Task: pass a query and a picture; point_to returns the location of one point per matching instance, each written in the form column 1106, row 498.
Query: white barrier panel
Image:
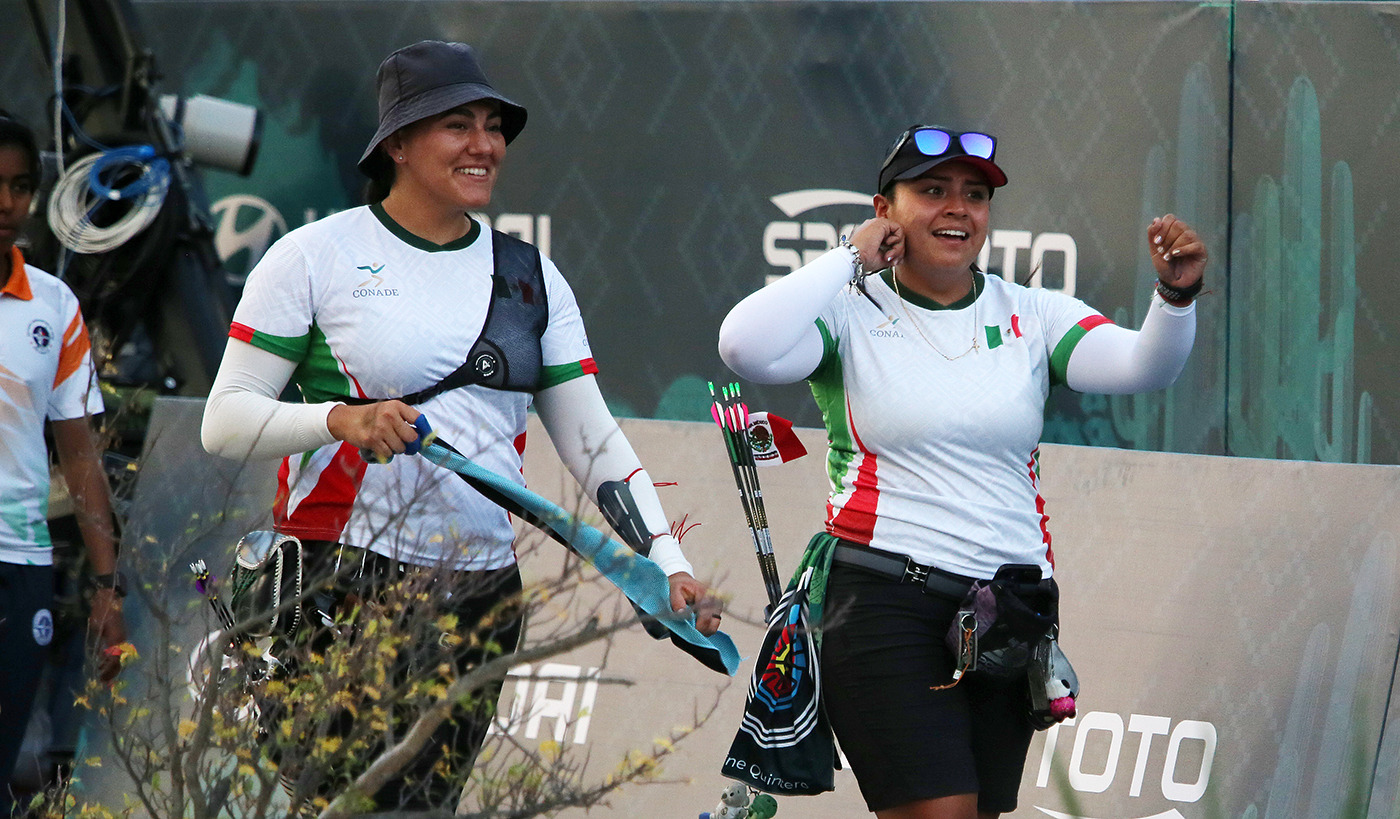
column 1233, row 622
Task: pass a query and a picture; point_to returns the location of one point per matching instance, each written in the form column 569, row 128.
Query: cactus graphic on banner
column 1184, row 417
column 1297, row 397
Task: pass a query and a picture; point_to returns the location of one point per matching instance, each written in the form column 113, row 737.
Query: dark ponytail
column 381, row 176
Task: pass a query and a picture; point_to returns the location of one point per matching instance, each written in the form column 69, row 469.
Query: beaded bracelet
column 859, row 272
column 1175, row 294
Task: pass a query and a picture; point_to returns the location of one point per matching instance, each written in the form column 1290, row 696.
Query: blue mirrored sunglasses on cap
column 935, row 142
column 924, row 145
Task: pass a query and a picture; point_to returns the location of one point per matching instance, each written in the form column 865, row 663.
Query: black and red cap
column 922, row 147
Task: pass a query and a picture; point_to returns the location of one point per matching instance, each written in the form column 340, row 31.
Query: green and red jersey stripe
column 855, row 520
column 1034, row 473
column 1059, row 359
column 292, row 348
column 554, row 374
column 323, row 513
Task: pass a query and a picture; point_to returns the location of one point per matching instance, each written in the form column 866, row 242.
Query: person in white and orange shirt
column 46, row 374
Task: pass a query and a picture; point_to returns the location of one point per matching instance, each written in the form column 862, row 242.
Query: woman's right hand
column 384, row 428
column 880, row 243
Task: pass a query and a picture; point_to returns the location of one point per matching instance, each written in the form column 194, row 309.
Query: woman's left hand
column 1178, row 255
column 687, row 591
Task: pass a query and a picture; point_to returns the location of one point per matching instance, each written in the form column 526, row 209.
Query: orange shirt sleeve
column 76, row 348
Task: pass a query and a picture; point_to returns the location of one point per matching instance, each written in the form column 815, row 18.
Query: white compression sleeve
column 771, row 336
column 1114, row 360
column 244, row 419
column 594, row 450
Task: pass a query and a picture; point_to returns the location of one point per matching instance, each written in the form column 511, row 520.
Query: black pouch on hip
column 1001, row 621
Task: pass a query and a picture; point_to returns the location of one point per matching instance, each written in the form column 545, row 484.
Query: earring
column 400, row 157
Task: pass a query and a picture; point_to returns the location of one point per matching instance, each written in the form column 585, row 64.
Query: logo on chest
column 885, row 329
column 41, row 335
column 374, row 285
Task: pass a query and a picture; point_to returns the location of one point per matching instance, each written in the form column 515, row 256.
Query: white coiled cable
column 79, row 193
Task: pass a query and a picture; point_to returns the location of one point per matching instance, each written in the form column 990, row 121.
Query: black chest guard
column 507, row 355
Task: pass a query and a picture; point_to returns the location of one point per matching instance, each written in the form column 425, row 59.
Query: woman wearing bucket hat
column 932, row 379
column 410, row 297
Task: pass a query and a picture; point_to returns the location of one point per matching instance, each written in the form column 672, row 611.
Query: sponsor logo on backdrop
column 816, row 221
column 557, row 697
column 534, row 228
column 817, row 218
column 245, row 226
column 1145, row 756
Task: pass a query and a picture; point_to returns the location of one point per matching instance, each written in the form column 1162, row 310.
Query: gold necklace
column 895, row 276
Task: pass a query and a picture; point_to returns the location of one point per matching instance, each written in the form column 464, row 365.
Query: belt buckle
column 914, row 573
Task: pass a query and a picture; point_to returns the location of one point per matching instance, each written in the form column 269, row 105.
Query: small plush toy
column 1061, row 685
column 733, row 804
column 736, row 795
column 1054, row 686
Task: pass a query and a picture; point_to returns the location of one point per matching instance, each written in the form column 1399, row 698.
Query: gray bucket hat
column 430, row 77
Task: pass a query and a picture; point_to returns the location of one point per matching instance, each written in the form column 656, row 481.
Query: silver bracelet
column 859, row 271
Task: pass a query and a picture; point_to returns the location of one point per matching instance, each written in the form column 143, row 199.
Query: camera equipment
column 129, row 226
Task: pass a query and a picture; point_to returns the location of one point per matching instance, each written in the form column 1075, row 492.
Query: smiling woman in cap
column 932, row 379
column 409, row 306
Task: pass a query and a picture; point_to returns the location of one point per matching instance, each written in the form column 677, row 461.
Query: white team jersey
column 45, row 373
column 368, row 310
column 937, row 458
